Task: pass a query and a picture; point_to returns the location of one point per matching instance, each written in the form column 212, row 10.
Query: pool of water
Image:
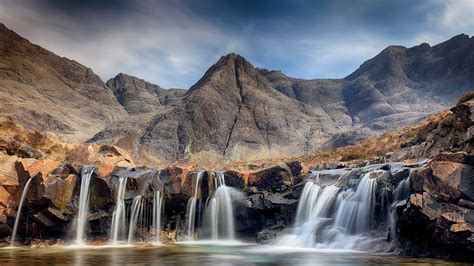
column 201, row 253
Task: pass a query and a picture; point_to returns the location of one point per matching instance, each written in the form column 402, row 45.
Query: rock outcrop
column 45, row 92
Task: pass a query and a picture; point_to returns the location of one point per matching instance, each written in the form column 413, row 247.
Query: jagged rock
column 28, row 152
column 463, row 115
column 234, row 179
column 295, row 167
column 60, row 191
column 461, row 157
column 114, row 155
column 277, row 178
column 4, row 197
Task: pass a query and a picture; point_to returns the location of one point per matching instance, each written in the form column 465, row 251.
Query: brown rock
column 60, row 191
column 105, row 169
column 44, row 167
column 457, row 176
column 277, row 178
column 460, row 227
column 4, row 197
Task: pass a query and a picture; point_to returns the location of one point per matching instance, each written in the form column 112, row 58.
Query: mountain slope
column 46, row 92
column 233, row 112
column 138, row 96
column 397, row 87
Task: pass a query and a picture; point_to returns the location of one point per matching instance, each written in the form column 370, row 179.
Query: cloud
column 172, row 43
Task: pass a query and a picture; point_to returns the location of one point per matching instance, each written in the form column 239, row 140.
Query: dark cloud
column 173, row 42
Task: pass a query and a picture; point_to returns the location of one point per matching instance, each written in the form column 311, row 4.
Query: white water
column 118, row 217
column 219, row 211
column 18, row 213
column 83, row 212
column 191, row 208
column 157, row 211
column 330, row 217
column 137, row 210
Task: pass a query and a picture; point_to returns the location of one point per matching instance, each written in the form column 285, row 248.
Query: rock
column 295, row 168
column 234, row 179
column 277, row 178
column 455, row 175
column 461, row 157
column 115, row 156
column 60, row 191
column 463, row 115
column 44, row 167
column 29, row 152
column 4, row 197
column 8, row 174
column 105, row 169
column 461, row 227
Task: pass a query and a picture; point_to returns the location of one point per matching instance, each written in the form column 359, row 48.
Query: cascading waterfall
column 18, row 213
column 157, row 212
column 84, row 198
column 340, row 214
column 220, row 215
column 137, row 211
column 191, row 208
column 118, row 216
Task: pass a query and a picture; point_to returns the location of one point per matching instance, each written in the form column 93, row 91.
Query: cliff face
column 46, row 92
column 138, row 96
column 232, row 112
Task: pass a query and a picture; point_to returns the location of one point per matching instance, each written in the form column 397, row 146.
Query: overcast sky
column 172, row 43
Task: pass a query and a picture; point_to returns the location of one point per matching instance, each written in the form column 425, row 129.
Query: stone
column 460, row 227
column 44, row 167
column 4, row 197
column 277, row 178
column 28, row 152
column 456, row 175
column 105, row 169
column 60, row 191
column 295, row 167
column 461, row 157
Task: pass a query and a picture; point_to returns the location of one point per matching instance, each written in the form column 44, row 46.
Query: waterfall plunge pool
column 200, row 253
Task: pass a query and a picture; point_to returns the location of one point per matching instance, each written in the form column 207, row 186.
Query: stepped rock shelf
column 376, row 208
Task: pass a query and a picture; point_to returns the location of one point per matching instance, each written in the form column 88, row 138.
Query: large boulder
column 274, row 179
column 60, row 191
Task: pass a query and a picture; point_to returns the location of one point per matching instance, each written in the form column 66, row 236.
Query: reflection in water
column 205, row 253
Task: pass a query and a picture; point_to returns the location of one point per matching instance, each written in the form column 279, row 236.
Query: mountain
column 46, row 92
column 397, row 87
column 232, row 112
column 138, row 96
column 235, row 111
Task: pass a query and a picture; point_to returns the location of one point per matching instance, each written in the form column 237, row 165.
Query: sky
column 172, row 43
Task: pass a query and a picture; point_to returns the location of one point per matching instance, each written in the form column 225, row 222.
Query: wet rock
column 234, row 179
column 277, row 178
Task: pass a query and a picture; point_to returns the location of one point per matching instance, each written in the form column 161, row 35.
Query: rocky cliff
column 50, row 93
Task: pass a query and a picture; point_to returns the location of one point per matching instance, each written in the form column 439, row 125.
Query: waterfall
column 157, row 211
column 329, row 216
column 18, row 213
column 118, row 216
column 342, row 209
column 191, row 208
column 83, row 212
column 137, row 210
column 219, row 211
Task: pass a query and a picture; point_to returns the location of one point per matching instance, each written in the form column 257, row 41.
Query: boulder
column 274, row 179
column 28, row 152
column 463, row 115
column 114, row 155
column 4, row 197
column 60, row 191
column 295, row 167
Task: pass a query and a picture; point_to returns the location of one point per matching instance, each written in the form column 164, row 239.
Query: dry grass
column 466, row 97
